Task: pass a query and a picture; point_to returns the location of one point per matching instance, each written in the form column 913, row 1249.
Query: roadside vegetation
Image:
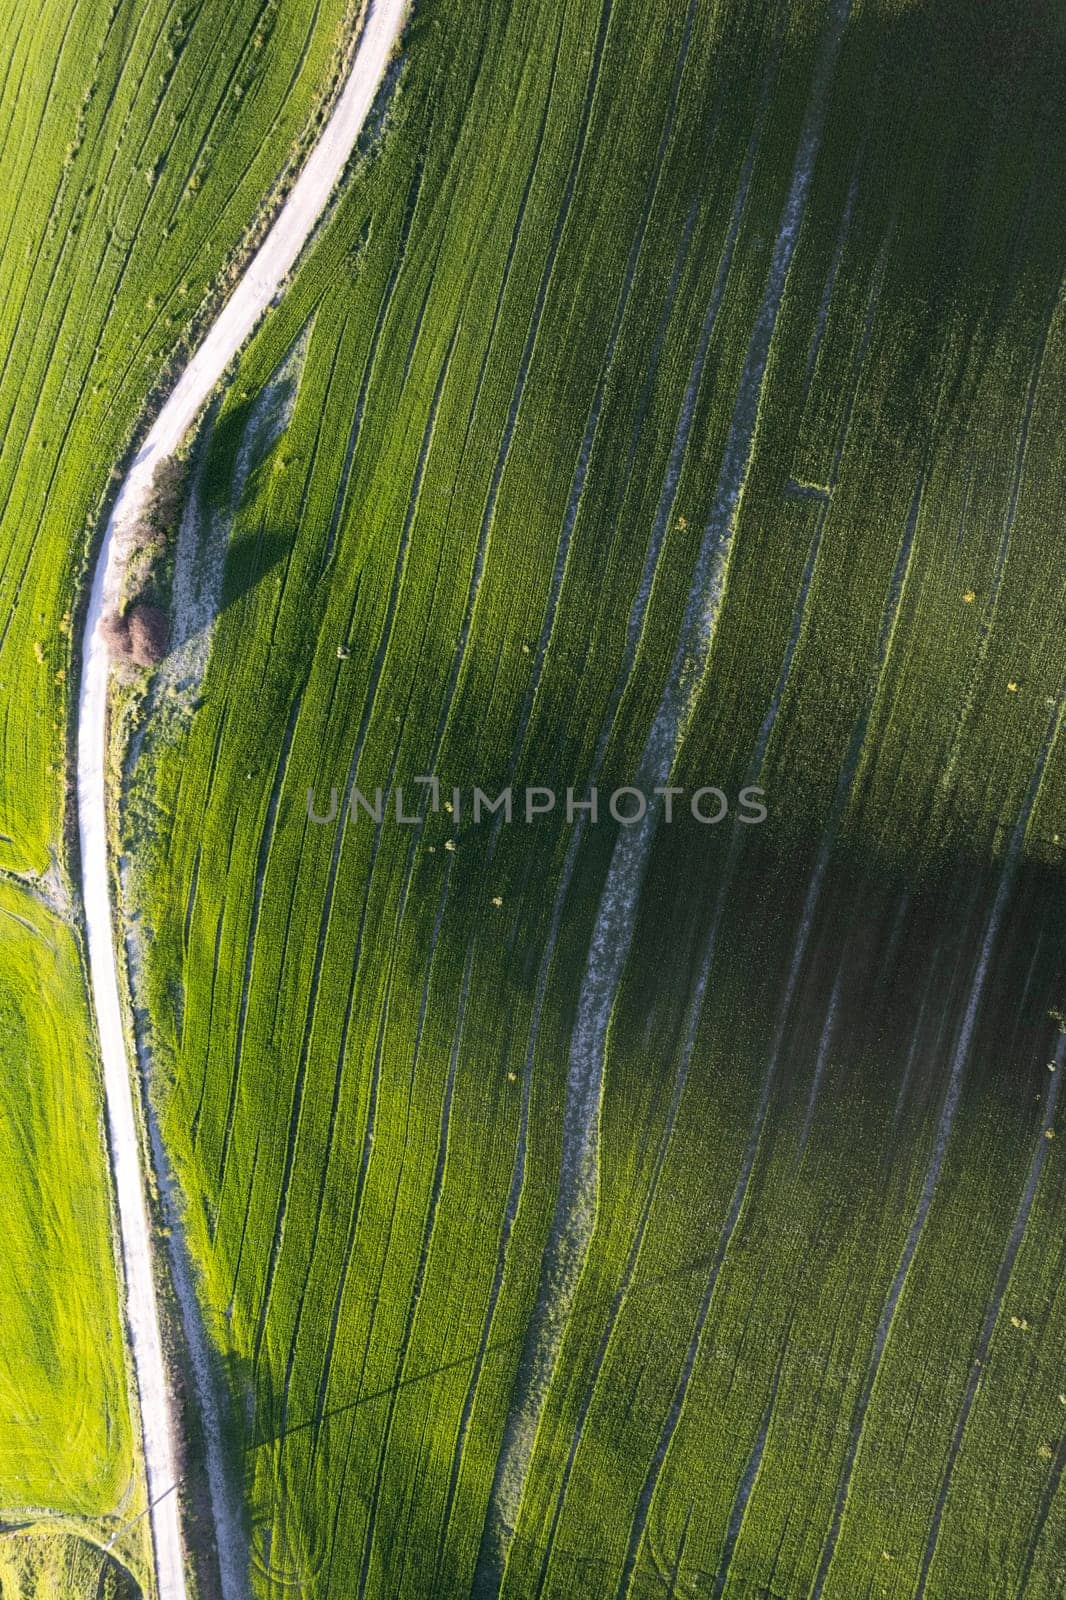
column 769, row 1301
column 138, row 630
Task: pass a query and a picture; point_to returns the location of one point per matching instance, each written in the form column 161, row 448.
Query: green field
column 762, row 305
column 138, row 144
column 49, row 1565
column 674, row 396
column 65, row 1438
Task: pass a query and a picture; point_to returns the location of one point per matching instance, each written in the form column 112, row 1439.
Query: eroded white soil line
column 254, row 293
column 577, row 1196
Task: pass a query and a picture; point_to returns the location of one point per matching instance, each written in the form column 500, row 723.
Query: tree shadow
column 250, row 557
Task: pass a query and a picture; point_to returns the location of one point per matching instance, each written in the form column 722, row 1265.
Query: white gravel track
column 258, row 286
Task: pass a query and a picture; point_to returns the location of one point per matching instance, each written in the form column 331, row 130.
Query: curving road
column 257, row 288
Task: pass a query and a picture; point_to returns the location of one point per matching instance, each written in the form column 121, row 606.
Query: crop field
column 670, row 1210
column 672, row 400
column 47, row 1564
column 65, row 1437
column 138, row 141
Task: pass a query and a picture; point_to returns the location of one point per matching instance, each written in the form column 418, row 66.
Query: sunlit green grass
column 139, row 143
column 365, row 1037
column 65, row 1437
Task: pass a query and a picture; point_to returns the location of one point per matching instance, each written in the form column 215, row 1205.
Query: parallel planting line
column 512, row 247
column 944, row 1129
column 296, row 1107
column 747, row 1483
column 992, row 1314
column 321, row 1412
column 266, row 840
column 519, row 1169
column 577, row 485
column 341, row 495
column 819, row 1066
column 204, row 147
column 68, row 303
column 988, row 621
column 1047, row 1500
column 514, row 1197
column 420, row 1275
column 916, row 1037
column 943, row 984
column 575, row 1211
column 831, row 277
column 504, row 450
column 342, row 1050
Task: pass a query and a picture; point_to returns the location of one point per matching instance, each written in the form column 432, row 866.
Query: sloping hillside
column 601, row 1210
